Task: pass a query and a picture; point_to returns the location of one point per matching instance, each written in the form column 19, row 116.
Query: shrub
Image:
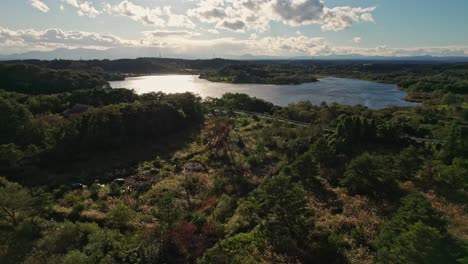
column 120, row 216
column 371, row 175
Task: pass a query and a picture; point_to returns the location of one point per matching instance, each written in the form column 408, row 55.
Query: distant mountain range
column 84, row 54
column 131, row 53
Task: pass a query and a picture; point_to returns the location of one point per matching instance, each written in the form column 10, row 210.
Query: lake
column 330, row 89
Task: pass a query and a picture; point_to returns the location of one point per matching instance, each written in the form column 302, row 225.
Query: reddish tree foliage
column 193, row 241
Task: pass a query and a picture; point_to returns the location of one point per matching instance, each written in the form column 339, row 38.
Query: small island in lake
column 261, row 74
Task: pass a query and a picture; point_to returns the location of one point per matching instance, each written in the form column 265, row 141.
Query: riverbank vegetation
column 431, row 83
column 100, row 175
column 261, row 73
column 428, row 82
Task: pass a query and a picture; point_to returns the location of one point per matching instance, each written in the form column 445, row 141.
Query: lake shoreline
column 329, row 89
column 223, row 80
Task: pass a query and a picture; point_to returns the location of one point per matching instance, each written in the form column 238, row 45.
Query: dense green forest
column 424, row 82
column 260, row 73
column 90, row 174
column 31, row 79
column 427, row 82
column 134, row 66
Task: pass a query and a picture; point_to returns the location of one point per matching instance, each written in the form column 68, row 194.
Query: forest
column 264, row 74
column 90, row 174
column 426, row 82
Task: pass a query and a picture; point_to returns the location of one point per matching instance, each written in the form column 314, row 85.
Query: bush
column 236, row 249
column 62, row 238
column 75, row 257
column 120, row 216
column 414, row 234
column 224, row 209
column 371, row 175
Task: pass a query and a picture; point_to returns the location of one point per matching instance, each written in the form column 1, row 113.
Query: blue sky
column 199, row 28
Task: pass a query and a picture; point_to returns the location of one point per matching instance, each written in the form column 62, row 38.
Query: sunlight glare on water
column 339, row 90
column 163, row 83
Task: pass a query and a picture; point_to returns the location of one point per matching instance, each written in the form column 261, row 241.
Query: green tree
column 10, row 155
column 121, row 216
column 418, row 244
column 455, row 176
column 16, row 203
column 435, row 175
column 408, row 162
column 371, row 175
column 14, row 118
column 283, row 206
column 168, row 212
column 237, row 249
column 75, row 257
column 455, row 145
column 413, row 235
column 449, row 99
column 303, row 169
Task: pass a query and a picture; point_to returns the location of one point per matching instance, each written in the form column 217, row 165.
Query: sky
column 220, row 28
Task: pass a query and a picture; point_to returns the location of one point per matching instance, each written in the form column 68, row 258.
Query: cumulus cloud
column 176, row 20
column 235, row 25
column 298, row 12
column 84, row 8
column 169, row 33
column 147, row 16
column 39, row 5
column 150, row 16
column 30, row 39
column 177, row 42
column 257, row 14
column 357, row 40
column 299, row 45
column 185, row 43
column 234, row 15
column 340, row 18
column 208, row 14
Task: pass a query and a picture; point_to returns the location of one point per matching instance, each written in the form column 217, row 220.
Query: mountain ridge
column 132, row 53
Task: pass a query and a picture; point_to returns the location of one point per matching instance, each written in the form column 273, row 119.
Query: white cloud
column 340, row 18
column 30, row 39
column 213, row 31
column 85, row 8
column 169, row 33
column 298, row 12
column 39, row 5
column 234, row 15
column 177, row 20
column 158, row 17
column 185, row 43
column 291, row 46
column 257, row 15
column 205, row 12
column 234, row 25
column 147, row 16
column 357, row 40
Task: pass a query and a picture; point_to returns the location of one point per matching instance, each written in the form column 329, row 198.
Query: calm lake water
column 339, row 90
